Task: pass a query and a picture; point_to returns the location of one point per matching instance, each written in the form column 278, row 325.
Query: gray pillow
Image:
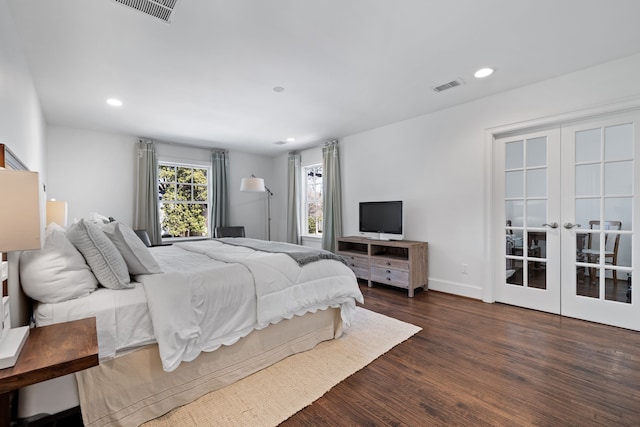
column 101, row 254
column 137, row 256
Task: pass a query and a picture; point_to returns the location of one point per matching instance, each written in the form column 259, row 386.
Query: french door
column 565, row 209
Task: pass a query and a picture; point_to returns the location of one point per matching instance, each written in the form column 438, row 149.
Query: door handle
column 569, row 226
column 552, row 225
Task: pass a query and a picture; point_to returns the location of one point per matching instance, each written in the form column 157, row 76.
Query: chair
column 235, row 231
column 611, row 244
column 144, row 236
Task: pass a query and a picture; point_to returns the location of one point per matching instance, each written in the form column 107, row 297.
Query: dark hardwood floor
column 478, row 364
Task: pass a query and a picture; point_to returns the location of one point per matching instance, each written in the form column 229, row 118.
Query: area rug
column 272, row 395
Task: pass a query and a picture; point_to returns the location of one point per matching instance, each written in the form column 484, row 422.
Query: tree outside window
column 313, row 200
column 183, row 192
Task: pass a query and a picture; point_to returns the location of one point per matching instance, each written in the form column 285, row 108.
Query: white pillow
column 97, row 218
column 57, row 272
column 101, row 254
column 137, row 256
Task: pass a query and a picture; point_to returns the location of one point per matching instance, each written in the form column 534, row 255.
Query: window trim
column 193, row 164
column 305, row 222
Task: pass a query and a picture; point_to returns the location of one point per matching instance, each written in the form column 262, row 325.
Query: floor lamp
column 256, row 185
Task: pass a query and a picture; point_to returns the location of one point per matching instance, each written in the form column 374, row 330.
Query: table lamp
column 57, row 212
column 20, row 229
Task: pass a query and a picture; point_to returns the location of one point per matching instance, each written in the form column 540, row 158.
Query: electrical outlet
column 465, row 268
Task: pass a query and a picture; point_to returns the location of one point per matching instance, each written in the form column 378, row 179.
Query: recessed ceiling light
column 278, row 89
column 483, row 72
column 291, row 140
column 114, row 102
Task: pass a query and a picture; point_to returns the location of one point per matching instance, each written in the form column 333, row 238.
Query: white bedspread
column 197, row 304
column 213, row 294
column 283, row 288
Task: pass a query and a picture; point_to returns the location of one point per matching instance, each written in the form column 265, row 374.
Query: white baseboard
column 462, row 289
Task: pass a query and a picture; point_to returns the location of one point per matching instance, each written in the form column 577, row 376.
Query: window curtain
column 219, row 213
column 332, row 204
column 147, row 216
column 294, row 198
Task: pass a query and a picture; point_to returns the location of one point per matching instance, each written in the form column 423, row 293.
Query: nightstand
column 50, row 352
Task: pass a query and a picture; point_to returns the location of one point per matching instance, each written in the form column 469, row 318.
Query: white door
column 600, row 210
column 566, row 211
column 527, row 203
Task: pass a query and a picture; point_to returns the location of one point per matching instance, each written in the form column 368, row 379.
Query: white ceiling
column 346, row 65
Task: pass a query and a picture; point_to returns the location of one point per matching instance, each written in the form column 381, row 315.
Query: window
column 313, row 200
column 184, row 200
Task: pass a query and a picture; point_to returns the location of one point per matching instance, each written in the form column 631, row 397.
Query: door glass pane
column 618, row 178
column 584, row 285
column 537, row 152
column 537, row 183
column 514, row 155
column 615, row 287
column 618, row 142
column 514, row 272
column 581, row 245
column 587, row 210
column 537, row 275
column 588, row 146
column 536, row 213
column 588, row 180
column 624, row 255
column 618, row 209
column 514, row 184
column 515, row 212
column 538, row 244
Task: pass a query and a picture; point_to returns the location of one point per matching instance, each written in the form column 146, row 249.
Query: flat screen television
column 382, row 220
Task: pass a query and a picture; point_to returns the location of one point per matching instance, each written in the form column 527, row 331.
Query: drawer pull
column 388, row 263
column 388, row 271
column 388, row 278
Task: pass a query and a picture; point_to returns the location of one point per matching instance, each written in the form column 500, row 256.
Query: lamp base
column 11, row 344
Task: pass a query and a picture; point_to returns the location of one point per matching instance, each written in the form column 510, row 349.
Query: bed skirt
column 132, row 389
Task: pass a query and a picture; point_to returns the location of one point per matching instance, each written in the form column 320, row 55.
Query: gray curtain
column 147, row 215
column 332, row 205
column 294, row 198
column 219, row 213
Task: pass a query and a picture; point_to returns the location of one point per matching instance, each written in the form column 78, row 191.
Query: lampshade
column 57, row 212
column 252, row 184
column 19, row 211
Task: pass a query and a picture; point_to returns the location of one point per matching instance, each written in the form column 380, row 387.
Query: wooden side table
column 50, row 352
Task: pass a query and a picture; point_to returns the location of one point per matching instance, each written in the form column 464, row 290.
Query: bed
column 203, row 315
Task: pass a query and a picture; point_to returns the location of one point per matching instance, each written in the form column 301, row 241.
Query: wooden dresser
column 400, row 263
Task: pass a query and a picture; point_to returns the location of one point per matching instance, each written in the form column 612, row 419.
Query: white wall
column 96, row 172
column 21, row 129
column 92, row 172
column 21, row 121
column 436, row 164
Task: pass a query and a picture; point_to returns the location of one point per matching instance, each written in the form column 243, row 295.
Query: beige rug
column 272, row 395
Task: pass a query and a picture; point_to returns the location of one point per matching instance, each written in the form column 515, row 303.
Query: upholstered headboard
column 19, row 303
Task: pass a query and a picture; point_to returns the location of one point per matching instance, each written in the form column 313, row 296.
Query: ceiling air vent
column 449, row 85
column 161, row 9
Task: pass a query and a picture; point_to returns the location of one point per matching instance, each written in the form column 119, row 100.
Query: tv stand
column 400, row 263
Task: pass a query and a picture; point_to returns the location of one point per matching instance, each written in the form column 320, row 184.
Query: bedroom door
column 564, row 229
column 600, row 211
column 527, row 200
